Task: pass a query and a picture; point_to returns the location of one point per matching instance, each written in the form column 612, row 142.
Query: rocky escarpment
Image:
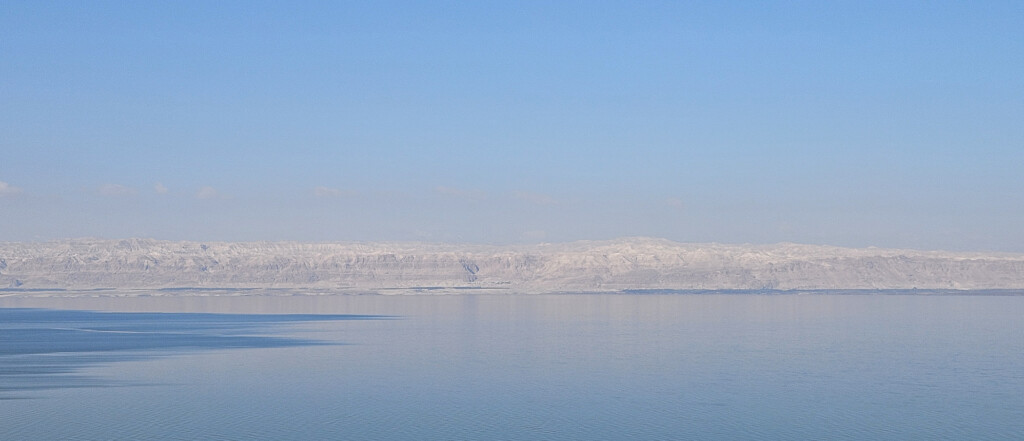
column 624, row 264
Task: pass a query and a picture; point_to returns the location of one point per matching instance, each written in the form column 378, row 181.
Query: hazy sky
column 895, row 124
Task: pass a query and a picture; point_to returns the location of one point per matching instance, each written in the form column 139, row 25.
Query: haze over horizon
column 889, row 124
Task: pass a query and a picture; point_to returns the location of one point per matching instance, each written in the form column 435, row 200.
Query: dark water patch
column 36, row 290
column 44, row 348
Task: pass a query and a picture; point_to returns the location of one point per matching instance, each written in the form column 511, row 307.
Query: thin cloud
column 208, row 193
column 159, row 188
column 533, row 236
column 117, row 190
column 475, row 195
column 674, row 202
column 328, row 192
column 534, row 198
column 8, row 189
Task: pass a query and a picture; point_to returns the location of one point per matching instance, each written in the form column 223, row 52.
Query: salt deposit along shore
column 155, row 267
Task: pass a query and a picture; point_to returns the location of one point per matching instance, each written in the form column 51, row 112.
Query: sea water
column 558, row 367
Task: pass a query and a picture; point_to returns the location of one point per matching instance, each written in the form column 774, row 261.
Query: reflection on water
column 565, row 367
column 44, row 348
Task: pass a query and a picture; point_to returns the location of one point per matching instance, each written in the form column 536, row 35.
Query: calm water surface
column 514, row 367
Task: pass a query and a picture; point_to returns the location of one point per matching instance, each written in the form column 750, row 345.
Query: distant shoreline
column 440, row 291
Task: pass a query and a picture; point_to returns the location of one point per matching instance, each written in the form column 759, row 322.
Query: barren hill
column 624, row 264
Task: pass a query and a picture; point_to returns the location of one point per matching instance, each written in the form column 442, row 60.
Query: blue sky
column 895, row 124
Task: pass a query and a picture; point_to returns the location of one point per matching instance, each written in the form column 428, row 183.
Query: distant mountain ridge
column 612, row 265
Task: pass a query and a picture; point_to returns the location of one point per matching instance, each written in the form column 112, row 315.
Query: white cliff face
column 625, row 264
